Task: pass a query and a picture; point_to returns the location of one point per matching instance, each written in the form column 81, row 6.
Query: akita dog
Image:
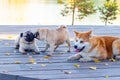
column 91, row 47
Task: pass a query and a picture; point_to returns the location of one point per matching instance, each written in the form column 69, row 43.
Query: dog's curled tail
column 63, row 26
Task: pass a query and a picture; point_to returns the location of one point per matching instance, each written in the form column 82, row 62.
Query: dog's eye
column 81, row 41
column 76, row 40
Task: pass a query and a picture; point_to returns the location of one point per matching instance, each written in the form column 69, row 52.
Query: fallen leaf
column 9, row 37
column 112, row 60
column 106, row 64
column 93, row 68
column 96, row 61
column 77, row 65
column 14, row 51
column 61, row 53
column 66, row 45
column 106, row 76
column 30, row 56
column 7, row 54
column 17, row 62
column 32, row 61
column 50, row 62
column 66, row 72
column 7, row 44
column 47, row 57
column 33, row 53
column 5, row 71
column 31, row 68
column 43, row 65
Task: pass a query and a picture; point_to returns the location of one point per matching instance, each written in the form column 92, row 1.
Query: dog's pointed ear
column 89, row 33
column 21, row 34
column 36, row 34
column 76, row 33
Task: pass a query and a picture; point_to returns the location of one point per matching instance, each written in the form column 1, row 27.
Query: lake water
column 38, row 12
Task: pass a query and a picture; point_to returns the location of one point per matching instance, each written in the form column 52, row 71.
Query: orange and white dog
column 91, row 47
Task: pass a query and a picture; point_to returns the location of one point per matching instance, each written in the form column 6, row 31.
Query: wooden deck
column 15, row 66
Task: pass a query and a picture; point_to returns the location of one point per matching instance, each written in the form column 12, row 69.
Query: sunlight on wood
column 8, row 36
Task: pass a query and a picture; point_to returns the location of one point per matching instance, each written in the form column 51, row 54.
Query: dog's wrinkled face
column 28, row 36
column 82, row 40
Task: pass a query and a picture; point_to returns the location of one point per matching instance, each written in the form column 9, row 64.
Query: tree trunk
column 73, row 13
column 105, row 23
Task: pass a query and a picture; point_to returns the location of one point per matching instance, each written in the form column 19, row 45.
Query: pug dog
column 53, row 37
column 26, row 42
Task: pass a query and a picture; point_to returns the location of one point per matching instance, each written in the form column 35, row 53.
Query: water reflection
column 44, row 12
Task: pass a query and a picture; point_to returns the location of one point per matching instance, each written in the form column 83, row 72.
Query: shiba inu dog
column 54, row 37
column 91, row 47
column 26, row 42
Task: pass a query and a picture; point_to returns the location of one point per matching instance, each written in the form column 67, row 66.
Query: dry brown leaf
column 5, row 71
column 77, row 65
column 33, row 53
column 30, row 56
column 31, row 68
column 50, row 62
column 7, row 44
column 14, row 51
column 106, row 76
column 32, row 61
column 96, row 61
column 106, row 64
column 9, row 37
column 17, row 62
column 47, row 57
column 7, row 54
column 93, row 68
column 43, row 65
column 112, row 60
column 61, row 53
column 66, row 72
column 66, row 45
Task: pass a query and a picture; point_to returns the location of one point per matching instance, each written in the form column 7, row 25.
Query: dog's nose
column 75, row 46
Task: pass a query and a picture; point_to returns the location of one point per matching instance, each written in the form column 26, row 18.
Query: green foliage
column 82, row 8
column 60, row 1
column 108, row 11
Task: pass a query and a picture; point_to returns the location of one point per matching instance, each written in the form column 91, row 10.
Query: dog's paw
column 17, row 47
column 49, row 54
column 71, row 58
column 43, row 51
column 25, row 53
column 68, row 50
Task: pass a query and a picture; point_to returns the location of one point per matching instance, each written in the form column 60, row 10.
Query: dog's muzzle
column 79, row 50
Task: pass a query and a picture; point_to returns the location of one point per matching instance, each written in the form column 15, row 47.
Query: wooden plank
column 54, row 68
column 103, row 78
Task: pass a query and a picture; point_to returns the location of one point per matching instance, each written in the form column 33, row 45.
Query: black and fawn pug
column 26, row 42
column 53, row 37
